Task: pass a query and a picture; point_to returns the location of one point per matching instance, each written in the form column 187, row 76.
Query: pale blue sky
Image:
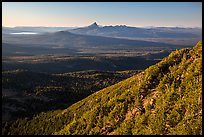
column 71, row 14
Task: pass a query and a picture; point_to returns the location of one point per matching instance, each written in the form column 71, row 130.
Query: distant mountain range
column 116, row 31
column 135, row 32
column 62, row 39
column 65, row 39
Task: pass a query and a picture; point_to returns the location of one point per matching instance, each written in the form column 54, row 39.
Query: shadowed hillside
column 25, row 93
column 164, row 99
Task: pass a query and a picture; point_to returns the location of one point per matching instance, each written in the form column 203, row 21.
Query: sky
column 78, row 14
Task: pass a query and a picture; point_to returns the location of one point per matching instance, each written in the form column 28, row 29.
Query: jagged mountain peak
column 93, row 25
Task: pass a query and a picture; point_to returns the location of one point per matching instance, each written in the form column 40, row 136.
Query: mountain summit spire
column 94, row 25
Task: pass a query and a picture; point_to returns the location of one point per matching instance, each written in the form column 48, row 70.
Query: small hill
column 165, row 99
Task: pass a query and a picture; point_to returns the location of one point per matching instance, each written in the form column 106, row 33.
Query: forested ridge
column 164, row 99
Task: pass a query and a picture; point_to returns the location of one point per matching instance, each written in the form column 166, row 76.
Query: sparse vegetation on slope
column 164, row 99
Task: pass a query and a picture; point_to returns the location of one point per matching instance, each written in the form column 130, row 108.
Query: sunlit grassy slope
column 164, row 99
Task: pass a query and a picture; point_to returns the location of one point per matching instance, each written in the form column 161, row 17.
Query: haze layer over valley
column 105, row 47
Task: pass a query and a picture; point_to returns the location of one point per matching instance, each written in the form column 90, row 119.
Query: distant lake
column 27, row 33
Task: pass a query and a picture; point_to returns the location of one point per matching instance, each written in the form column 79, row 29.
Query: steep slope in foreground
column 164, row 99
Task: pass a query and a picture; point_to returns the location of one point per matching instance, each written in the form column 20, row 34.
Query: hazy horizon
column 103, row 26
column 80, row 14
